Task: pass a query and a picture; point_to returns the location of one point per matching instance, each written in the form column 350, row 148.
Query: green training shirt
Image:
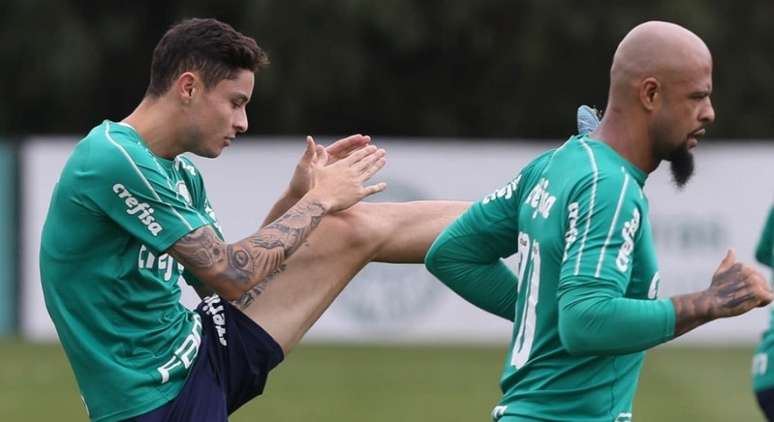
column 763, row 373
column 583, row 291
column 110, row 289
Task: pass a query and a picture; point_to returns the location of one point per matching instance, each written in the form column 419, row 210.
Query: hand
column 736, row 288
column 301, row 181
column 339, row 185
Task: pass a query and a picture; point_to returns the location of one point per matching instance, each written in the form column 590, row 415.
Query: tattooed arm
column 233, row 269
column 735, row 289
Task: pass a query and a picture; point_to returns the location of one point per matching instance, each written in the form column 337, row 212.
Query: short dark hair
column 213, row 48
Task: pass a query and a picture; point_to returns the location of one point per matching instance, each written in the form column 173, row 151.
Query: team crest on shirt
column 182, row 190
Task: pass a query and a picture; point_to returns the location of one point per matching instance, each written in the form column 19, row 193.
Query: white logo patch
column 628, row 232
column 182, row 190
column 540, row 199
column 142, row 210
column 504, row 192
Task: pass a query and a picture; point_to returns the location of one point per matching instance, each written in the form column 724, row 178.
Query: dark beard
column 681, row 165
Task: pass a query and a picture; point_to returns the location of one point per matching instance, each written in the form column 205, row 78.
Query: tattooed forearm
column 729, row 294
column 290, row 230
column 691, row 311
column 248, row 298
column 242, row 265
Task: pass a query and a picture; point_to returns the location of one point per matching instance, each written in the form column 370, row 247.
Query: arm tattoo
column 199, row 249
column 290, row 230
column 255, row 260
column 726, row 295
column 248, row 298
column 691, row 311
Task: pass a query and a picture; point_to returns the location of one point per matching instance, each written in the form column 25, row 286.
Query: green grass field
column 365, row 383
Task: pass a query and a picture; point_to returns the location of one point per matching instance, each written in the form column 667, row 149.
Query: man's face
column 680, row 122
column 218, row 114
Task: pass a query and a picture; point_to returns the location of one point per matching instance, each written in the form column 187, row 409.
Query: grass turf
column 390, row 383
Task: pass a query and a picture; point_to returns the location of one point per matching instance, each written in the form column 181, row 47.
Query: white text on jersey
column 142, row 210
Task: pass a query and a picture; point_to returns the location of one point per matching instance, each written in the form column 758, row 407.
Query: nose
column 240, row 124
column 707, row 115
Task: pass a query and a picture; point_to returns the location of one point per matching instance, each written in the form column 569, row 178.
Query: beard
column 681, row 165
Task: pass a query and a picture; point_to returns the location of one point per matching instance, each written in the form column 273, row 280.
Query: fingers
column 375, row 165
column 358, row 155
column 310, row 151
column 322, row 155
column 370, row 190
column 727, row 261
column 345, row 146
column 368, row 162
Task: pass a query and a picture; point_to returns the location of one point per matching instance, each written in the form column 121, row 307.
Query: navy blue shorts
column 234, row 359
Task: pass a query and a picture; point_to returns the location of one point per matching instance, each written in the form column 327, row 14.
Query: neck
column 152, row 120
column 629, row 137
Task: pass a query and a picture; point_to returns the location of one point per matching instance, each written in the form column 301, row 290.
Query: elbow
column 433, row 259
column 230, row 294
column 575, row 335
column 227, row 289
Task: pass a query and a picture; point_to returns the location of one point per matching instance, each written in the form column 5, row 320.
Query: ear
column 186, row 86
column 650, row 93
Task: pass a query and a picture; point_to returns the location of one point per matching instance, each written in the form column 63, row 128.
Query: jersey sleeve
column 127, row 184
column 602, row 234
column 764, row 252
column 201, row 202
column 467, row 255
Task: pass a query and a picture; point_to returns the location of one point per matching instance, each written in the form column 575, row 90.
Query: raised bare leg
column 287, row 303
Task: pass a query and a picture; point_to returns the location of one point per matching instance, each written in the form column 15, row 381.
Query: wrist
column 291, row 195
column 313, row 197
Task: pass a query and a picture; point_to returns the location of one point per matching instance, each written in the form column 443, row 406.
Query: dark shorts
column 234, row 359
column 766, row 403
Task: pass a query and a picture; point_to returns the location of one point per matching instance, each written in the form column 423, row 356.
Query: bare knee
column 357, row 226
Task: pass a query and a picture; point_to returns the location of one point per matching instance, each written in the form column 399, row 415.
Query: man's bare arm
column 233, row 269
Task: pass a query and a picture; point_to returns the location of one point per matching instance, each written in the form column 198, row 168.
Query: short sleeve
column 605, row 216
column 127, row 183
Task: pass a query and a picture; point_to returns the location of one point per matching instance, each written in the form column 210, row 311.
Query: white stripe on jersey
column 615, row 219
column 591, row 203
column 142, row 176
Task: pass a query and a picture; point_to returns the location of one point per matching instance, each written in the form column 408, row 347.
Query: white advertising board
column 723, row 206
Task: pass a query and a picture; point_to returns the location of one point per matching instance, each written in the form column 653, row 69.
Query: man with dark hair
column 583, row 296
column 130, row 215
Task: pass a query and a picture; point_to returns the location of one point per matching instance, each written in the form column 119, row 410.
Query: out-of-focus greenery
column 377, row 383
column 489, row 68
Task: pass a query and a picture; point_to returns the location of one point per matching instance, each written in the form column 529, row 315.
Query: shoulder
column 112, row 146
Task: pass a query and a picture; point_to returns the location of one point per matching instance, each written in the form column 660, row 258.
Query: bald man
column 583, row 293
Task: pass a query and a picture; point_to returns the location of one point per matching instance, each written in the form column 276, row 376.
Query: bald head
column 659, row 101
column 662, row 50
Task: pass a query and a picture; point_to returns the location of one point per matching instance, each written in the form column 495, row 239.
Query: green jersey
column 763, row 375
column 582, row 293
column 110, row 289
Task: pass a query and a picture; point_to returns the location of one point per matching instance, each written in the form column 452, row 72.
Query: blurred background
column 462, row 94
